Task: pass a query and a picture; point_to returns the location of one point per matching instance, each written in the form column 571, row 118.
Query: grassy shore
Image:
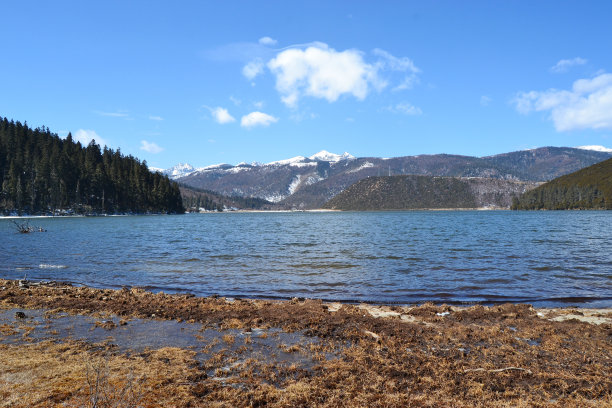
column 363, row 356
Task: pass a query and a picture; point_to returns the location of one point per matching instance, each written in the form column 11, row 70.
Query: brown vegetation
column 507, row 355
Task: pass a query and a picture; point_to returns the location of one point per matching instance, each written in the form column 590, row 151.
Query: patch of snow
column 307, row 164
column 313, row 179
column 363, row 166
column 294, row 184
column 237, row 169
column 275, row 198
column 324, row 155
column 178, row 171
column 293, row 160
column 595, row 148
column 215, row 166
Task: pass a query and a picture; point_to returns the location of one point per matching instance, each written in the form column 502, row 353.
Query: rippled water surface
column 545, row 258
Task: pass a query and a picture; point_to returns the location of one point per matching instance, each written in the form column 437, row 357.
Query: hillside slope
column 195, row 200
column 427, row 192
column 589, row 188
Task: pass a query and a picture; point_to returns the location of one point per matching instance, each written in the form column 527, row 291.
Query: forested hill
column 195, row 199
column 42, row 173
column 589, row 188
column 427, row 192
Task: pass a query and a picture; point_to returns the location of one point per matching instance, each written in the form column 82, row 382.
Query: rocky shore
column 293, row 353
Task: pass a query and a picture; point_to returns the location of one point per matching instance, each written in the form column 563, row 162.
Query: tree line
column 43, row 173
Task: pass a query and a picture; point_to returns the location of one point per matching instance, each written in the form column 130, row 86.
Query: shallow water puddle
column 21, row 326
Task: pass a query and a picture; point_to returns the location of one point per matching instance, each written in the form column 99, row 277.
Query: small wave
column 498, row 280
column 544, row 268
column 52, row 266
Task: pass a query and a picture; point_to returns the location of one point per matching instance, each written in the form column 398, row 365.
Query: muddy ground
column 349, row 355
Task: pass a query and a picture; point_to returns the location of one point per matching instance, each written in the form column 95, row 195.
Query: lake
column 457, row 257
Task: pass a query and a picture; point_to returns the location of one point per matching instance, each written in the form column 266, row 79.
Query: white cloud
column 257, row 119
column 404, row 64
column 221, row 115
column 267, row 41
column 405, row 109
column 407, row 83
column 565, row 64
column 150, row 147
column 120, row 114
column 151, row 117
column 87, row 135
column 253, row 68
column 235, row 100
column 258, row 104
column 388, row 61
column 485, row 100
column 587, row 106
column 321, row 72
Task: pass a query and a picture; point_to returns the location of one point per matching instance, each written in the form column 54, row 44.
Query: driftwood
column 26, row 228
column 499, row 370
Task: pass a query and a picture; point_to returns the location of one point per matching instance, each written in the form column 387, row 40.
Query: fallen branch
column 26, row 228
column 498, row 370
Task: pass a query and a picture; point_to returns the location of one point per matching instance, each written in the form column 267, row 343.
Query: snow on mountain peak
column 324, row 155
column 293, row 160
column 184, row 169
column 180, row 170
column 596, row 148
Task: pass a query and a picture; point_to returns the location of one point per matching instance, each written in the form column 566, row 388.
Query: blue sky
column 227, row 82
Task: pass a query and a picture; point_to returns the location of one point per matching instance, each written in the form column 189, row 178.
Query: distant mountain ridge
column 308, row 182
column 184, row 169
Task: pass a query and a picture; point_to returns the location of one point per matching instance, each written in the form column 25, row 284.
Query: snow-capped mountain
column 178, row 171
column 308, row 182
column 324, row 155
column 297, row 160
column 184, row 169
column 595, row 148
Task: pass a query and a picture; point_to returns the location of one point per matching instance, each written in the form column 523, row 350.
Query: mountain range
column 309, row 182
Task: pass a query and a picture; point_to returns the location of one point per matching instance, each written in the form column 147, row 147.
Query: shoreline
column 594, row 315
column 584, row 304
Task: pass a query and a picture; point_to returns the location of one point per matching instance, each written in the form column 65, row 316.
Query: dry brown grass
column 502, row 356
column 78, row 375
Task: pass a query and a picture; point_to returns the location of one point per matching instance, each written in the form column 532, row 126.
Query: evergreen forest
column 195, row 199
column 42, row 173
column 589, row 188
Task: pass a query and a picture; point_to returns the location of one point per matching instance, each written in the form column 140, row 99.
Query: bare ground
column 425, row 356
